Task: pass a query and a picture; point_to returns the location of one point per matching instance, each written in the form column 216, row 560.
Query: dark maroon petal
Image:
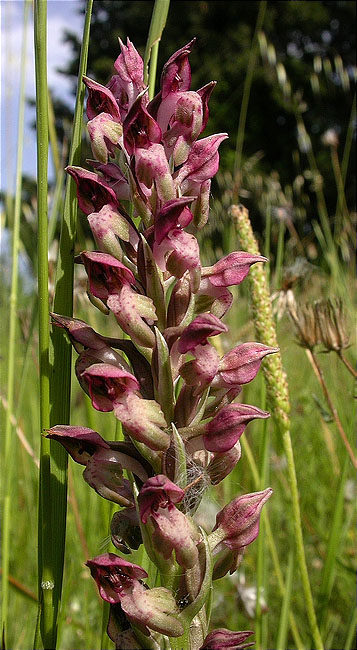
column 92, row 191
column 205, row 93
column 114, row 575
column 106, row 274
column 140, row 129
column 172, row 214
column 197, row 332
column 80, row 442
column 100, row 100
column 79, row 331
column 107, row 383
column 176, row 73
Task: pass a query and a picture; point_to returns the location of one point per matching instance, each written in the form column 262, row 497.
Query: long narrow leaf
column 45, row 533
column 158, row 21
column 60, row 351
column 284, row 616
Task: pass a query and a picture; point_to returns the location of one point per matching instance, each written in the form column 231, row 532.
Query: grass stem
column 319, row 374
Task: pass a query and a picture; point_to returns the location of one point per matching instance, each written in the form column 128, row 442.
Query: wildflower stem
column 347, row 364
column 45, row 533
column 261, row 560
column 319, row 374
column 9, row 424
column 277, row 395
column 157, row 24
column 60, row 349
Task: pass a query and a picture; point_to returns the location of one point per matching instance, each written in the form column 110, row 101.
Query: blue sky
column 62, row 14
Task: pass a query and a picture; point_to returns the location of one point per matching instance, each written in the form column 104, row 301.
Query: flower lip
column 100, row 100
column 158, row 492
column 80, row 442
column 92, row 191
column 109, row 261
column 173, row 213
column 113, row 575
column 107, row 384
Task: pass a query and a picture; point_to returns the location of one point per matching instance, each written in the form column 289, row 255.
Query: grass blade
column 283, row 623
column 45, row 533
column 157, row 24
column 351, row 634
column 333, row 547
column 60, row 351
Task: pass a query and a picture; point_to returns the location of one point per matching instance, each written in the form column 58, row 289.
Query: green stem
column 348, row 143
column 279, row 255
column 351, row 633
column 333, row 546
column 283, row 622
column 153, row 68
column 9, row 440
column 261, row 560
column 277, row 394
column 157, row 24
column 319, row 374
column 53, row 137
column 45, row 533
column 253, row 54
column 60, row 350
column 300, row 551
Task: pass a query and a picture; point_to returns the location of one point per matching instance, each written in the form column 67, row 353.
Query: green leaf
column 163, row 384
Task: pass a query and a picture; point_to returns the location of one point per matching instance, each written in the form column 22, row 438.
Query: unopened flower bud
column 225, row 429
column 237, row 524
column 223, row 639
